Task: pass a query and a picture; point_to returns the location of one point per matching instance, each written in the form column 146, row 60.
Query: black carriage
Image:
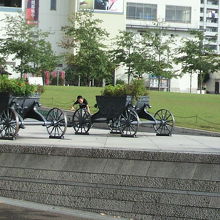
column 123, row 117
column 14, row 111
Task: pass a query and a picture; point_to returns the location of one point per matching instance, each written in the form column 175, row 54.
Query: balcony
column 210, row 24
column 210, row 33
column 208, row 6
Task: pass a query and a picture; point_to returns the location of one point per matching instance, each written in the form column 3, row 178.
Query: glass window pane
column 53, row 4
column 178, row 14
column 141, row 11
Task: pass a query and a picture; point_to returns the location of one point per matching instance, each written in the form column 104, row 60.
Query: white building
column 136, row 15
column 210, row 24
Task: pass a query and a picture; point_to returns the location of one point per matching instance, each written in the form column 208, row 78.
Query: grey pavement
column 12, row 209
column 100, row 138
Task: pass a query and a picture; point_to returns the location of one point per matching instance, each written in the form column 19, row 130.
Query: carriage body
column 116, row 111
column 5, row 100
column 111, row 106
column 22, row 104
column 15, row 109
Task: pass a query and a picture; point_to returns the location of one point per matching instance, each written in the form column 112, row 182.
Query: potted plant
column 19, row 92
column 131, row 92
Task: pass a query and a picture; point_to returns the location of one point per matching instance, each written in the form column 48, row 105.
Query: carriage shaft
column 146, row 122
column 43, row 123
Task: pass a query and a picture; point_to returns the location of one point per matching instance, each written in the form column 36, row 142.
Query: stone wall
column 133, row 184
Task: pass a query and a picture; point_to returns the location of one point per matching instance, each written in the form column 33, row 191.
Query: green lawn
column 190, row 110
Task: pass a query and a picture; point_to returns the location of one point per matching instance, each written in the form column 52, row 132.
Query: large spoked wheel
column 164, row 122
column 9, row 124
column 129, row 123
column 57, row 125
column 114, row 126
column 81, row 121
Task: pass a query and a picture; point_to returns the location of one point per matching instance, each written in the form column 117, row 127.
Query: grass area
column 190, row 110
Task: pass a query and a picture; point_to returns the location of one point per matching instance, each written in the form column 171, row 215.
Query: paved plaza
column 100, row 138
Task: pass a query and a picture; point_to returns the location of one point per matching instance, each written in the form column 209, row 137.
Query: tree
column 27, row 44
column 157, row 44
column 83, row 39
column 129, row 53
column 196, row 57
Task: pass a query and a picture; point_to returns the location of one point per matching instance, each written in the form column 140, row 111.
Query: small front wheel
column 57, row 123
column 164, row 122
column 81, row 121
column 9, row 124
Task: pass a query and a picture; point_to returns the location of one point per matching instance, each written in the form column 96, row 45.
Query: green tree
column 86, row 52
column 195, row 56
column 157, row 46
column 27, row 44
column 129, row 53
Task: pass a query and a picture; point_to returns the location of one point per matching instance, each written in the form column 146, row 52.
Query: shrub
column 16, row 87
column 120, row 81
column 135, row 89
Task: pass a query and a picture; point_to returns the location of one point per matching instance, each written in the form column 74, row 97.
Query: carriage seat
column 142, row 103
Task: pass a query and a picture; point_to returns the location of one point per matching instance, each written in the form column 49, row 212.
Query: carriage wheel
column 81, row 121
column 9, row 124
column 114, row 126
column 165, row 122
column 57, row 123
column 129, row 123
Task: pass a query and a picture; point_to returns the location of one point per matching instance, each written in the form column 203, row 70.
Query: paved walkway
column 12, row 209
column 100, row 138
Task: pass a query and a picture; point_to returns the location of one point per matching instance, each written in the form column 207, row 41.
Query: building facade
column 210, row 24
column 177, row 17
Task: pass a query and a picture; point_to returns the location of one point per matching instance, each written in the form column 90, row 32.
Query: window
column 141, row 11
column 53, row 5
column 179, row 14
column 12, row 3
column 212, row 2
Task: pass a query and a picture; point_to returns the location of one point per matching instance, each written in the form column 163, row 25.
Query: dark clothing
column 81, row 105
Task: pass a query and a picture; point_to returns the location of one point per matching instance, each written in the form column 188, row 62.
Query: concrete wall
column 53, row 20
column 133, row 184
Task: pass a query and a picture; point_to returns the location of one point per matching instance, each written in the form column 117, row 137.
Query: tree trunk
column 129, row 74
column 103, row 83
column 190, row 87
column 114, row 77
column 201, row 80
column 58, row 78
column 159, row 80
column 79, row 80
